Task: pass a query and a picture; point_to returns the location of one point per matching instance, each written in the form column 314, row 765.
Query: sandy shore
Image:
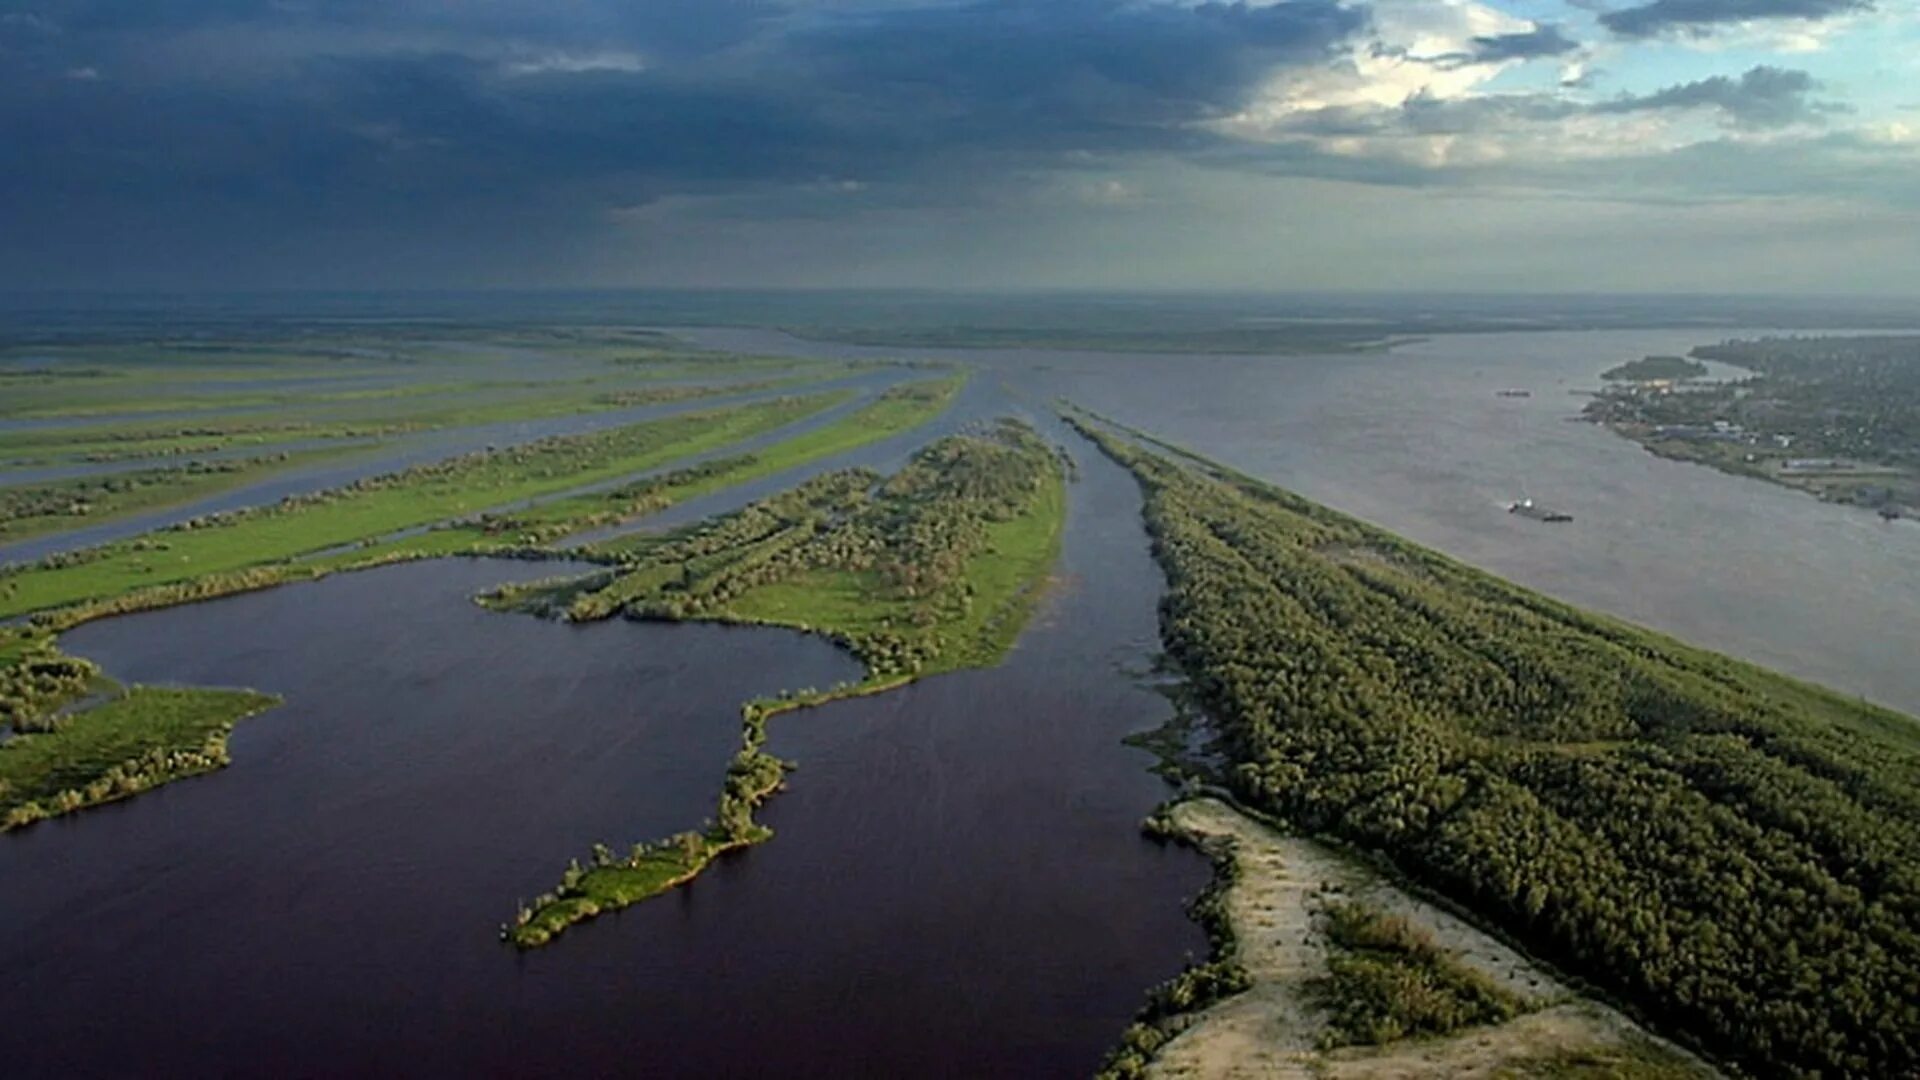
column 1273, row 1030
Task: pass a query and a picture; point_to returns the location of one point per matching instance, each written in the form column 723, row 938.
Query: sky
column 1712, row 146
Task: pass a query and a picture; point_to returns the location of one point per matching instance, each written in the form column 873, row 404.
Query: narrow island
column 71, row 737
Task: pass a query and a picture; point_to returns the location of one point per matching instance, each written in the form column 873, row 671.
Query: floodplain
column 483, row 678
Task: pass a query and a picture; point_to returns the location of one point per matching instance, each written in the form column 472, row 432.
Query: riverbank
column 1553, row 771
column 1835, row 417
column 1279, row 1027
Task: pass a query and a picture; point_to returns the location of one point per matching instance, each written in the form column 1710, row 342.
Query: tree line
column 1735, row 854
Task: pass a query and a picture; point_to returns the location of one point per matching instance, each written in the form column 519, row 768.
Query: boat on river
column 1527, row 508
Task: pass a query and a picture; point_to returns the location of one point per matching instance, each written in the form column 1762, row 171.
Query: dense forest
column 1735, row 854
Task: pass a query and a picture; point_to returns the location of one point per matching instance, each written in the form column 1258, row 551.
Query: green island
column 933, row 569
column 1654, row 368
column 104, row 403
column 527, row 530
column 28, row 510
column 1724, row 851
column 141, row 738
column 48, row 700
column 1836, row 417
column 373, row 417
column 417, row 496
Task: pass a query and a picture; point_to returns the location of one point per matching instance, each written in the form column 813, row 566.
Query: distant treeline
column 1734, row 853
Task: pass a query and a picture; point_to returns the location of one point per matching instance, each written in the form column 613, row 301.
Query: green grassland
column 1727, row 852
column 1000, row 585
column 173, row 397
column 132, row 396
column 897, row 410
column 259, row 548
column 934, row 569
column 417, row 496
column 363, row 415
column 56, row 506
column 145, row 737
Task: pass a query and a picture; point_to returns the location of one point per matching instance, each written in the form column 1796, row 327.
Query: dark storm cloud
column 394, row 115
column 1763, row 97
column 1542, row 41
column 1695, row 16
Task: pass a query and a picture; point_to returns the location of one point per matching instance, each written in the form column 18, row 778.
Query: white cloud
column 562, row 63
column 1413, row 54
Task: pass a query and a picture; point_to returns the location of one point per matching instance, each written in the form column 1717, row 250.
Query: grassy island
column 416, row 496
column 1728, row 851
column 140, row 739
column 933, row 569
column 28, row 510
column 274, row 545
column 894, row 412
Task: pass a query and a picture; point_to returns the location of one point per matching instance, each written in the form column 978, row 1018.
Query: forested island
column 1727, row 851
column 1835, row 416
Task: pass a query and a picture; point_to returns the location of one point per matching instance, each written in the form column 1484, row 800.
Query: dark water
column 958, row 886
column 1416, row 440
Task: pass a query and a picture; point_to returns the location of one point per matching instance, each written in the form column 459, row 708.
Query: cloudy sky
column 1604, row 145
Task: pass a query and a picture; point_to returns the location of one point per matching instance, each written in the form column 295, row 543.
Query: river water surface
column 958, row 885
column 1416, row 440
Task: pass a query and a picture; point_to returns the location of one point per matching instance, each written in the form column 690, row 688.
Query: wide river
column 1416, row 440
column 958, row 885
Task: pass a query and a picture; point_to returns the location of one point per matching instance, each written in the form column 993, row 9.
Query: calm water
column 1417, row 441
column 958, row 886
column 405, row 453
